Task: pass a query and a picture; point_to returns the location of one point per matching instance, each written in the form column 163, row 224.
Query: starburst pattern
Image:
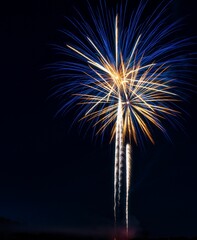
column 131, row 62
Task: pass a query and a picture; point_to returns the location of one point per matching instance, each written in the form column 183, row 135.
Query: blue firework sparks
column 143, row 55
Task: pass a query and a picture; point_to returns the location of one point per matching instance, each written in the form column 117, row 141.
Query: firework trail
column 124, row 78
column 116, row 167
column 120, row 146
column 128, row 181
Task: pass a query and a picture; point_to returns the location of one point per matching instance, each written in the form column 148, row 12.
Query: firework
column 123, row 79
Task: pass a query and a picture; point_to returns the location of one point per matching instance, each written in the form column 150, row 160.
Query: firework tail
column 116, row 170
column 121, row 149
column 128, row 181
column 119, row 160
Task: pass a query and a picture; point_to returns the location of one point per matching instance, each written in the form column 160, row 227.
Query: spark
column 128, row 182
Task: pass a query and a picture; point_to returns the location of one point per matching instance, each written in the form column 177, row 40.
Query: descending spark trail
column 128, row 181
column 121, row 147
column 116, row 167
column 124, row 79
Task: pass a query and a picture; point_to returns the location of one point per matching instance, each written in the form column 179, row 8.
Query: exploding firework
column 122, row 77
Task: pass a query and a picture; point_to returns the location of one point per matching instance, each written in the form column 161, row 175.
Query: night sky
column 54, row 177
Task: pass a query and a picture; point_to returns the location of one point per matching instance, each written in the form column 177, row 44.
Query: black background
column 55, row 179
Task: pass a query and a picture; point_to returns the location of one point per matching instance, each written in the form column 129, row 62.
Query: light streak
column 121, row 146
column 128, row 181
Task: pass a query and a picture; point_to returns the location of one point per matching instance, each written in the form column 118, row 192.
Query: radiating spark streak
column 111, row 88
column 106, row 124
column 80, row 53
column 133, row 51
column 148, row 105
column 143, row 126
column 99, row 66
column 105, row 111
column 111, row 116
column 139, row 68
column 128, row 181
column 128, row 80
column 110, row 93
column 123, row 78
column 89, row 59
column 95, row 88
column 97, row 103
column 116, row 41
column 149, row 117
column 98, row 51
column 157, row 90
column 163, row 100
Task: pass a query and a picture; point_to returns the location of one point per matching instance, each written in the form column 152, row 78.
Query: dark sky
column 54, row 178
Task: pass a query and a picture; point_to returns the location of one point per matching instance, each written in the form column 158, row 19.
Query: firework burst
column 123, row 78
